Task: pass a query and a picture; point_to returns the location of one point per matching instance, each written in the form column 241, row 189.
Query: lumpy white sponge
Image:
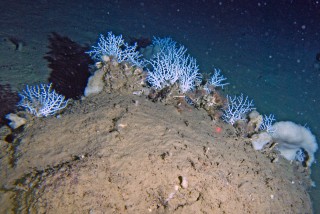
column 291, row 137
column 95, row 83
column 261, row 139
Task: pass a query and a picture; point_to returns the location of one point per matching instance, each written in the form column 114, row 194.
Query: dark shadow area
column 8, row 102
column 69, row 64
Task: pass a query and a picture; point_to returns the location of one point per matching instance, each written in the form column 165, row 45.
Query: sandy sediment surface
column 122, row 153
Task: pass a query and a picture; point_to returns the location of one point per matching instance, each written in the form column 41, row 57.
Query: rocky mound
column 116, row 152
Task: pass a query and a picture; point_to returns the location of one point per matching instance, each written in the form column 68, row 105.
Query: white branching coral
column 41, row 100
column 215, row 81
column 189, row 75
column 172, row 65
column 165, row 68
column 236, row 110
column 267, row 123
column 164, row 44
column 115, row 46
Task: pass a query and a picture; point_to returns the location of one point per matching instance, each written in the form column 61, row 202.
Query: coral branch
column 116, row 47
column 237, row 108
column 41, row 100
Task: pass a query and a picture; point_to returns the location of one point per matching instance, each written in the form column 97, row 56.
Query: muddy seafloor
column 116, row 152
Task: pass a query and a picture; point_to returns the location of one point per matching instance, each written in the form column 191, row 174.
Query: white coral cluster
column 266, row 124
column 164, row 44
column 41, row 100
column 172, row 65
column 165, row 68
column 115, row 46
column 216, row 80
column 189, row 75
column 237, row 108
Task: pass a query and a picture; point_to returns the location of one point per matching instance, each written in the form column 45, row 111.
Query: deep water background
column 266, row 49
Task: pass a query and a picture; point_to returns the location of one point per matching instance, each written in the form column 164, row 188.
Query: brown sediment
column 116, row 152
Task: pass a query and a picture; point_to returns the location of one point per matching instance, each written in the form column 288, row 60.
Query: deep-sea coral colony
column 237, row 108
column 266, row 124
column 41, row 100
column 163, row 44
column 115, row 47
column 215, row 81
column 171, row 65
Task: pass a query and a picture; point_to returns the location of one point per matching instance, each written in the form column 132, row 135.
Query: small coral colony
column 172, row 75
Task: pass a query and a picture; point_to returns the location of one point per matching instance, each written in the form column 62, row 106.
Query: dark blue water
column 266, row 49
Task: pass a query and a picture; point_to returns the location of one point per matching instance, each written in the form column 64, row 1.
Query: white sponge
column 260, row 140
column 291, row 137
column 95, row 83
